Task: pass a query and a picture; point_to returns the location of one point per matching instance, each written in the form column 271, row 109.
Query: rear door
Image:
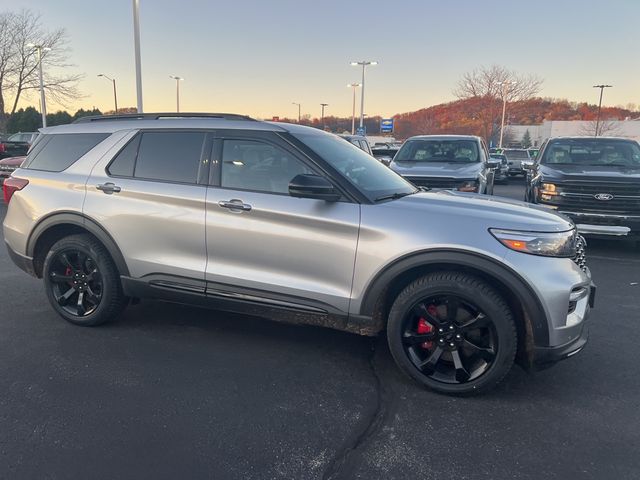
column 151, row 200
column 266, row 245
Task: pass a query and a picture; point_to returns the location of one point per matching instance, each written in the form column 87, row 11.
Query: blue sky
column 256, row 57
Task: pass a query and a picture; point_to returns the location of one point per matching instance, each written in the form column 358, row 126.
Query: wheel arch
column 53, row 227
column 531, row 320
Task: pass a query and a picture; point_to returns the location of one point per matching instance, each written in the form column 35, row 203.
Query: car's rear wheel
column 453, row 333
column 82, row 282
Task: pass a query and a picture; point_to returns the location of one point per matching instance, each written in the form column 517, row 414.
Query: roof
column 591, row 137
column 110, row 124
column 444, row 137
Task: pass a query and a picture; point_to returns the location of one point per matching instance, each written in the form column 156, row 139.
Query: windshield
column 365, row 172
column 19, row 137
column 592, row 151
column 458, row 151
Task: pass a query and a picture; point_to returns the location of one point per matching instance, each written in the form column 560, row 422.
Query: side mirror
column 313, row 186
column 493, row 163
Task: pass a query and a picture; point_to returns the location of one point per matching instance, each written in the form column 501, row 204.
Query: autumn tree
column 19, row 76
column 610, row 128
column 489, row 86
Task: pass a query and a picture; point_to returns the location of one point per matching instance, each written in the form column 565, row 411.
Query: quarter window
column 258, row 166
column 58, row 152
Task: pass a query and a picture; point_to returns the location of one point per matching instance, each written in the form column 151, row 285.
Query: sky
column 256, row 57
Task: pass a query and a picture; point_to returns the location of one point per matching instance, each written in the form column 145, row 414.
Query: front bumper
column 605, row 224
column 22, row 262
column 544, row 357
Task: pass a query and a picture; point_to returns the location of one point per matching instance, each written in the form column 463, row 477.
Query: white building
column 564, row 128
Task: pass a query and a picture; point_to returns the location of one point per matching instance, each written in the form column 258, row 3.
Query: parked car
column 594, row 181
column 17, row 144
column 359, row 141
column 458, row 162
column 8, row 165
column 501, row 174
column 385, row 152
column 292, row 223
column 516, row 159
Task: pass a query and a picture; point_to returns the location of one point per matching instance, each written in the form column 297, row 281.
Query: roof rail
column 159, row 116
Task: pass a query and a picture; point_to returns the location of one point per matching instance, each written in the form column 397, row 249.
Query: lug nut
column 458, row 336
column 450, row 327
column 452, row 344
column 440, row 330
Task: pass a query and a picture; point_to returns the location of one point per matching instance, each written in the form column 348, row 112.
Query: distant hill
column 469, row 116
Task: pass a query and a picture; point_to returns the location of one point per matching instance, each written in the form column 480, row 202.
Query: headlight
column 547, row 244
column 548, row 189
column 471, row 186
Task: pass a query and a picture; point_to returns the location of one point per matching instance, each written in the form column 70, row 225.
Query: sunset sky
column 257, row 57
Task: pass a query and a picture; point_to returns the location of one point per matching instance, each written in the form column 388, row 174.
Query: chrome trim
column 603, row 230
column 602, row 215
column 578, row 294
column 268, row 301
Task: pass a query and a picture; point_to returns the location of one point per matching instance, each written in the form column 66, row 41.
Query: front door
column 265, row 244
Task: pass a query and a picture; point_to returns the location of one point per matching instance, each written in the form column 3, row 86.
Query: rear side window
column 58, row 152
column 165, row 156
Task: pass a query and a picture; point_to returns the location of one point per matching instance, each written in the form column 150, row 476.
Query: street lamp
column 364, row 64
column 177, row 79
column 43, row 103
column 115, row 94
column 601, row 87
column 322, row 116
column 299, row 107
column 505, row 87
column 353, row 112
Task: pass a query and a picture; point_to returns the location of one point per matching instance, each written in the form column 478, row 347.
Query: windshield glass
column 365, row 172
column 592, row 151
column 458, row 151
column 516, row 154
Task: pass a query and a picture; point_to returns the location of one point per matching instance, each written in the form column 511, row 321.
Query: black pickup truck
column 594, row 181
column 17, row 145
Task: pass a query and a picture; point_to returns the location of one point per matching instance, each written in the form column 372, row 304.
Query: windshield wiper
column 393, row 196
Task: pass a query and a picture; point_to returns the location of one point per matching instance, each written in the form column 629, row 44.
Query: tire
column 485, row 348
column 79, row 265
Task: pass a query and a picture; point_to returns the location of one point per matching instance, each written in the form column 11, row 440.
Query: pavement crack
column 343, row 461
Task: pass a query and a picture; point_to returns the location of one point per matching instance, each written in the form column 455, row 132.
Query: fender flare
column 510, row 279
column 80, row 220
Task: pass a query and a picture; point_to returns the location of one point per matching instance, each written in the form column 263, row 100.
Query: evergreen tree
column 526, row 139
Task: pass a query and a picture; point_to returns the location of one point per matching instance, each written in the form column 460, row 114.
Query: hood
column 12, row 161
column 494, row 212
column 437, row 169
column 598, row 173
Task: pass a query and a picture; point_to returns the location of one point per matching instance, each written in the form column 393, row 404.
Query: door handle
column 235, row 204
column 108, row 188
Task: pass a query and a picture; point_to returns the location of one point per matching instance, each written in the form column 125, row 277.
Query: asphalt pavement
column 175, row 392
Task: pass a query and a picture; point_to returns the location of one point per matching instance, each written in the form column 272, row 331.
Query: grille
column 435, row 182
column 579, row 196
column 581, row 253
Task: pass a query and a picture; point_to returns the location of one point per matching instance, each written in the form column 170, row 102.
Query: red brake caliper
column 426, row 327
column 67, row 272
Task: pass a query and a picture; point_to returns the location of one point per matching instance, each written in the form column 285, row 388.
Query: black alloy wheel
column 75, row 282
column 82, row 282
column 453, row 333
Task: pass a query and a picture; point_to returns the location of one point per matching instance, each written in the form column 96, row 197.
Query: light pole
column 136, row 41
column 364, row 64
column 322, row 116
column 177, row 79
column 43, row 103
column 601, row 87
column 299, row 107
column 115, row 93
column 505, row 86
column 353, row 111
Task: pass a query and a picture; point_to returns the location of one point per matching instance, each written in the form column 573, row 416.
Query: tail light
column 3, row 148
column 12, row 185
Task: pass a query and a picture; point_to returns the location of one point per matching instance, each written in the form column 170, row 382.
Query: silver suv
column 295, row 224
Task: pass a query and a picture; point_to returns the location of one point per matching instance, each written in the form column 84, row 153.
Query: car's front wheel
column 453, row 333
column 82, row 282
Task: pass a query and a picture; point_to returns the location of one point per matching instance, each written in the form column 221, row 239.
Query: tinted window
column 591, row 151
column 60, row 151
column 124, row 163
column 458, row 151
column 171, row 156
column 258, row 166
column 516, row 154
column 370, row 176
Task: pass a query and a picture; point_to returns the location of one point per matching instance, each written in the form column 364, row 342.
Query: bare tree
column 19, row 62
column 489, row 86
column 611, row 128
